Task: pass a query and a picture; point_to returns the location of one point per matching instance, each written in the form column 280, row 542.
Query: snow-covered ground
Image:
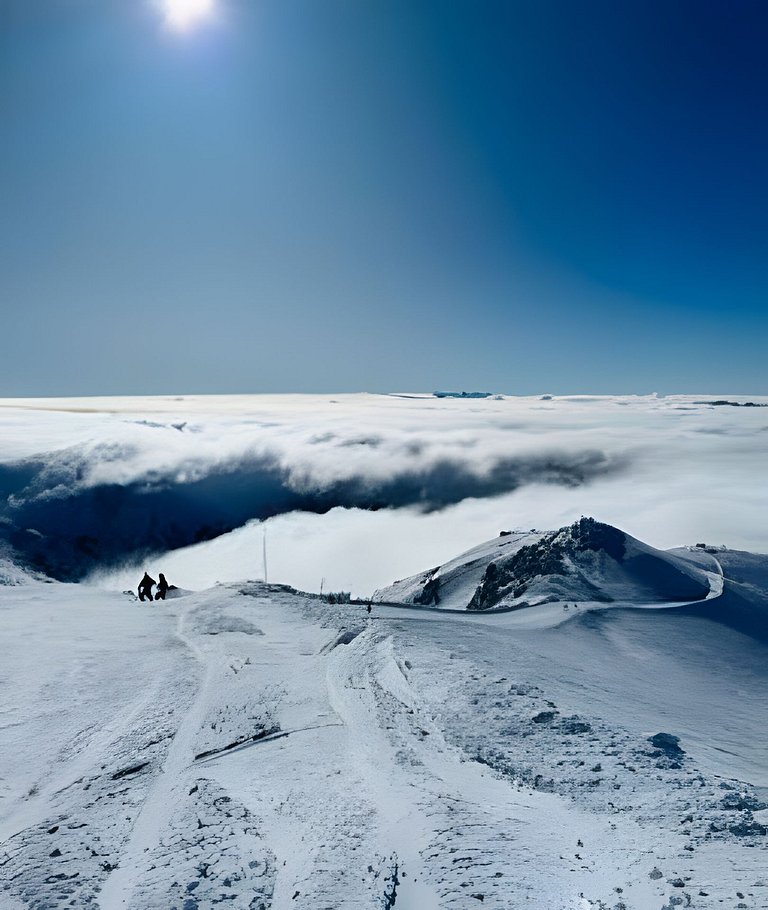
column 588, row 562
column 564, row 720
column 253, row 747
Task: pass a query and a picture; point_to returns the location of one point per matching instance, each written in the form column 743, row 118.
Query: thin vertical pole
column 264, row 552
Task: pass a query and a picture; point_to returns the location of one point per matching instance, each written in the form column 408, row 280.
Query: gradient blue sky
column 342, row 195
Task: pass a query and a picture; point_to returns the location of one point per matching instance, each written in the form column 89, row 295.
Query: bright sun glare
column 183, row 14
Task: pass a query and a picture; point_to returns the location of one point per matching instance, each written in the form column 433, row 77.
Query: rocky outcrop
column 549, row 557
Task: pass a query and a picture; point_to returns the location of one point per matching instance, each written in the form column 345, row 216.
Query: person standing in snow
column 162, row 588
column 145, row 587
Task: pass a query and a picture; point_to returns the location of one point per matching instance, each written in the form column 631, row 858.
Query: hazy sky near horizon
column 298, row 196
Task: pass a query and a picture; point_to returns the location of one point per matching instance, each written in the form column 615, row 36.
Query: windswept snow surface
column 251, row 747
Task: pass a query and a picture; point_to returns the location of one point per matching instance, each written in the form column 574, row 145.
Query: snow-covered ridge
column 254, row 748
column 586, row 562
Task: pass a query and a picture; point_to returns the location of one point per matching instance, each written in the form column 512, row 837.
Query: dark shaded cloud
column 61, row 522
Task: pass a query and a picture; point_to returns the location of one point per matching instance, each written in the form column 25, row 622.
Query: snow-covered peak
column 587, row 561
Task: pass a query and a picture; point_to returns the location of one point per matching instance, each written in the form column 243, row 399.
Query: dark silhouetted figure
column 162, row 588
column 369, row 609
column 145, row 587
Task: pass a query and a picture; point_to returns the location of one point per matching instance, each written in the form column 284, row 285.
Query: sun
column 181, row 15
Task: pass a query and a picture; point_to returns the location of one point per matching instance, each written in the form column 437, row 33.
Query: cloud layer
column 96, row 482
column 65, row 523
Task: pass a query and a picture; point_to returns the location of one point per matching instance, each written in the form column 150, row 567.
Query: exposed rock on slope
column 587, row 561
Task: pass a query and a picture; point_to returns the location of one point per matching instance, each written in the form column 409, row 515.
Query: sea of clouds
column 353, row 491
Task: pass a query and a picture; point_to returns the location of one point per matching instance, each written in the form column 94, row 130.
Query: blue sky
column 303, row 196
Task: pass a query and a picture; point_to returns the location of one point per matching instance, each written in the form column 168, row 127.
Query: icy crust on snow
column 587, row 561
column 253, row 747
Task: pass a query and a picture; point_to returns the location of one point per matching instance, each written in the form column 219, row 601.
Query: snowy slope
column 452, row 585
column 252, row 747
column 585, row 562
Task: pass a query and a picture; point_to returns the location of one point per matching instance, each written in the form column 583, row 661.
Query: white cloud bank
column 445, row 475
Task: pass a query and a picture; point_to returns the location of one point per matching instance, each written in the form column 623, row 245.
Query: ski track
column 398, row 761
column 145, row 833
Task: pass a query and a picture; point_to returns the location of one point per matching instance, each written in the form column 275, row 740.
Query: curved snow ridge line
column 716, row 590
column 716, row 581
column 716, row 587
column 406, row 610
